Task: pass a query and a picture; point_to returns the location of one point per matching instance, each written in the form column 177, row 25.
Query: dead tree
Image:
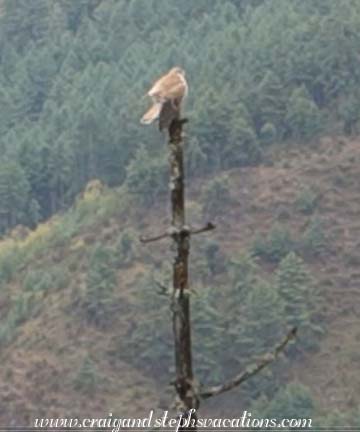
column 189, row 393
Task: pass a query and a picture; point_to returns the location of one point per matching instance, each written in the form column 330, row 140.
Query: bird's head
column 178, row 70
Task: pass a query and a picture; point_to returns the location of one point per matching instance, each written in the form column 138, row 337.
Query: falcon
column 167, row 94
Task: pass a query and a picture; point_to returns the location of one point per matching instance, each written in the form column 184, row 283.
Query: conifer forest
column 271, row 158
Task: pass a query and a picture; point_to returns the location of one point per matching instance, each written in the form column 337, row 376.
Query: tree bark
column 184, row 381
column 189, row 393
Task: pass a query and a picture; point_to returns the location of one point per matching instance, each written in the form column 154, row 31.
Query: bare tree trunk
column 188, row 393
column 184, row 382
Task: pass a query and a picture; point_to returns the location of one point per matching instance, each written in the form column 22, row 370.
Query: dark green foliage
column 215, row 258
column 294, row 401
column 209, row 334
column 22, row 308
column 349, row 112
column 72, row 76
column 303, row 117
column 244, row 274
column 267, row 133
column 297, row 289
column 14, row 194
column 257, row 335
column 98, row 301
column 146, row 176
column 276, row 245
column 244, row 148
column 315, row 241
column 196, row 159
column 216, row 195
column 233, row 323
column 37, row 280
column 294, row 284
column 41, row 280
column 307, row 200
column 149, row 343
column 337, row 418
column 87, row 377
column 8, row 266
column 254, row 319
column 125, row 248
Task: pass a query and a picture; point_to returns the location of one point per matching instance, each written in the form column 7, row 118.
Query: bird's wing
column 176, row 91
column 152, row 113
column 169, row 86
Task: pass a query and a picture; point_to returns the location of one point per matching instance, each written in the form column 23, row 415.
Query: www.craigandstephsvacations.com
column 165, row 421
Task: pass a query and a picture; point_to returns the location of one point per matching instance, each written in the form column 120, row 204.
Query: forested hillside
column 85, row 327
column 272, row 157
column 73, row 75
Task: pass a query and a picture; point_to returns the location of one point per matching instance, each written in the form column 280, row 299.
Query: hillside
column 60, row 359
column 73, row 75
column 272, row 158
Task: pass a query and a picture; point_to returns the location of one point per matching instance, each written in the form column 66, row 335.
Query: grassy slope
column 46, row 351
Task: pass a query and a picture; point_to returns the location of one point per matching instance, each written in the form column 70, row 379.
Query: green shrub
column 210, row 336
column 147, row 176
column 55, row 277
column 22, row 308
column 276, row 245
column 336, row 419
column 294, row 283
column 196, row 158
column 303, row 117
column 125, row 247
column 298, row 291
column 307, row 201
column 59, row 273
column 262, row 324
column 37, row 280
column 341, row 179
column 65, row 228
column 268, row 133
column 349, row 112
column 216, row 195
column 7, row 333
column 87, row 377
column 149, row 344
column 314, row 241
column 98, row 300
column 243, row 147
column 294, row 401
column 215, row 258
column 9, row 263
column 244, row 274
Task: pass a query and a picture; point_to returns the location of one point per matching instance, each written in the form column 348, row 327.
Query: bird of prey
column 167, row 94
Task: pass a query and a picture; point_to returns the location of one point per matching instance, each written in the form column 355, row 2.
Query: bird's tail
column 152, row 114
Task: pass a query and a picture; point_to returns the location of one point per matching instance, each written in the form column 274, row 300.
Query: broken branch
column 251, row 370
column 173, row 232
column 208, row 227
column 153, row 239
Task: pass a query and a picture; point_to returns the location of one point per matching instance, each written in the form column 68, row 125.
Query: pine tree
column 294, row 283
column 292, row 401
column 98, row 303
column 216, row 196
column 210, row 335
column 303, row 117
column 146, row 176
column 257, row 335
column 14, row 194
column 298, row 292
